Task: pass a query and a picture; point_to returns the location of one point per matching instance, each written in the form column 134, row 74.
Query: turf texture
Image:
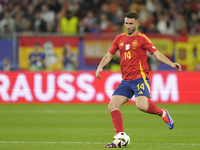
column 89, row 127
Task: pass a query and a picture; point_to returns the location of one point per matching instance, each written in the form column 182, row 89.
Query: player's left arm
column 161, row 57
column 148, row 45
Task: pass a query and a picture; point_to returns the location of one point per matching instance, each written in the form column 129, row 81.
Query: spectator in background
column 81, row 28
column 150, row 12
column 1, row 11
column 150, row 6
column 50, row 27
column 6, row 64
column 137, row 6
column 19, row 22
column 47, row 16
column 73, row 6
column 38, row 23
column 96, row 29
column 24, row 5
column 37, row 59
column 196, row 29
column 103, row 21
column 178, row 21
column 110, row 28
column 29, row 14
column 16, row 10
column 38, row 4
column 7, row 20
column 69, row 59
column 28, row 28
column 119, row 28
column 10, row 5
column 54, row 5
column 105, row 10
column 152, row 28
column 59, row 15
column 186, row 9
column 148, row 23
column 7, row 34
column 118, row 16
column 184, row 30
column 89, row 20
column 165, row 25
column 69, row 24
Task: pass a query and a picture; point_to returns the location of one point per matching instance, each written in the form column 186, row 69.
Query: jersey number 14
column 127, row 55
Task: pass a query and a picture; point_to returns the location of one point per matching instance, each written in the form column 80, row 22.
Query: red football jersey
column 133, row 54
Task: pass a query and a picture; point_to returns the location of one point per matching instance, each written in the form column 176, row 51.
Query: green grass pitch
column 89, row 127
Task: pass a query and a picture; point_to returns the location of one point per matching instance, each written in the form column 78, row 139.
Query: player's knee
column 141, row 107
column 112, row 107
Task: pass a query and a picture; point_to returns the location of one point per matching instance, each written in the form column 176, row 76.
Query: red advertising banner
column 84, row 87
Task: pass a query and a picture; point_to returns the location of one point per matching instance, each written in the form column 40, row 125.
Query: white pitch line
column 86, row 111
column 27, row 142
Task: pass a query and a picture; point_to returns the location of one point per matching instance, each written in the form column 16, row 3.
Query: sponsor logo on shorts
column 140, row 92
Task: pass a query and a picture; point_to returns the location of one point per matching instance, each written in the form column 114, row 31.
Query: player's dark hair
column 131, row 15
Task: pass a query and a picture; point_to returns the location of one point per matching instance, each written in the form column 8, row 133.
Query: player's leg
column 121, row 95
column 145, row 105
column 115, row 103
column 142, row 94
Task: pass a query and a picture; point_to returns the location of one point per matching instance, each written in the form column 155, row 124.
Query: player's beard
column 129, row 33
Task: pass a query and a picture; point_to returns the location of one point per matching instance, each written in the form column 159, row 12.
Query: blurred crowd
column 77, row 17
column 175, row 17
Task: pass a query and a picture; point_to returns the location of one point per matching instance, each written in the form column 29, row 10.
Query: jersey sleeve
column 148, row 45
column 114, row 47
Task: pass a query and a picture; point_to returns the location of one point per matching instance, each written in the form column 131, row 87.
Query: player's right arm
column 105, row 60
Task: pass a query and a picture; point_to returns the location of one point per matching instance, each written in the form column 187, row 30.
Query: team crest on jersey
column 127, row 46
column 134, row 44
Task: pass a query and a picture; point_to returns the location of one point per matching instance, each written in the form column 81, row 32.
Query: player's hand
column 98, row 71
column 176, row 65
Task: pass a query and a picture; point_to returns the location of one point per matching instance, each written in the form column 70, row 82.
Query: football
column 121, row 140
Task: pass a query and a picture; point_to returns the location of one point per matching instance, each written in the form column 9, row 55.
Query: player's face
column 131, row 24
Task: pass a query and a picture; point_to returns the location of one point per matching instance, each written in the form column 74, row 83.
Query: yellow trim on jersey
column 122, row 33
column 143, row 35
column 146, row 38
column 144, row 78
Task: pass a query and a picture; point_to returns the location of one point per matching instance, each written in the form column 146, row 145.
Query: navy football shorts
column 137, row 87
